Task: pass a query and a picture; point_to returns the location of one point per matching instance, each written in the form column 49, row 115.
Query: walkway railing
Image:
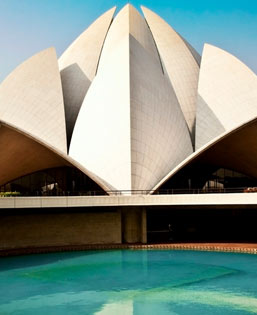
column 131, row 192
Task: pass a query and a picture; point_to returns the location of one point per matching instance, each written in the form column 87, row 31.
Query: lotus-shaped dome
column 129, row 103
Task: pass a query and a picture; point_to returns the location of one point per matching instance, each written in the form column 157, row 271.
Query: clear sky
column 28, row 26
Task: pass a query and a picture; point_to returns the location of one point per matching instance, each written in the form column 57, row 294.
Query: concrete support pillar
column 134, row 225
column 144, row 227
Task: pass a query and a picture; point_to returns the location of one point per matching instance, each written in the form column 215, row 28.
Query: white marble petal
column 31, row 99
column 228, row 90
column 78, row 65
column 130, row 131
column 180, row 61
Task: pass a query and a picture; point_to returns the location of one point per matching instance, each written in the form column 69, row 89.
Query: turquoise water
column 129, row 282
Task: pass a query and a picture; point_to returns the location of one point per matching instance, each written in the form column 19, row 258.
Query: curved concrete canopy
column 227, row 94
column 226, row 114
column 78, row 65
column 22, row 154
column 180, row 61
column 31, row 99
column 235, row 150
column 130, row 113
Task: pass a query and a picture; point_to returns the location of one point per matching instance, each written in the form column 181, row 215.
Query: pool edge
column 249, row 248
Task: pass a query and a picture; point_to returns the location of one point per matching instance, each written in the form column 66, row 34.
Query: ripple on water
column 129, row 282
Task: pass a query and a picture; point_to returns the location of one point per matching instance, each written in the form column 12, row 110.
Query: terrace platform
column 213, row 200
column 200, row 221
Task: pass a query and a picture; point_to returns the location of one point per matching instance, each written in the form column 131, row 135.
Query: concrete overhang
column 201, row 200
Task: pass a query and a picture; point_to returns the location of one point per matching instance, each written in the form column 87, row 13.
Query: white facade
column 31, row 99
column 128, row 97
column 137, row 112
column 181, row 63
column 78, row 65
column 101, row 137
column 227, row 94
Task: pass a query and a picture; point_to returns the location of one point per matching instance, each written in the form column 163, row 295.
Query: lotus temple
column 129, row 133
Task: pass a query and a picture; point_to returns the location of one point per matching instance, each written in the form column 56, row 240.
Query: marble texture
column 228, row 89
column 78, row 66
column 128, row 107
column 31, row 99
column 130, row 113
column 181, row 62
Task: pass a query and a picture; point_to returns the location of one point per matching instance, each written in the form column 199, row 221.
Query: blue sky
column 28, row 26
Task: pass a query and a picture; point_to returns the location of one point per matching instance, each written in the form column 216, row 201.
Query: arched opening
column 57, row 181
column 204, row 178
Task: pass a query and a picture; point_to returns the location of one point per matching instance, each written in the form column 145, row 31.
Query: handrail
column 176, row 191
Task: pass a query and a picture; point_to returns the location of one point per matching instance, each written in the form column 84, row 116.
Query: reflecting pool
column 129, row 282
